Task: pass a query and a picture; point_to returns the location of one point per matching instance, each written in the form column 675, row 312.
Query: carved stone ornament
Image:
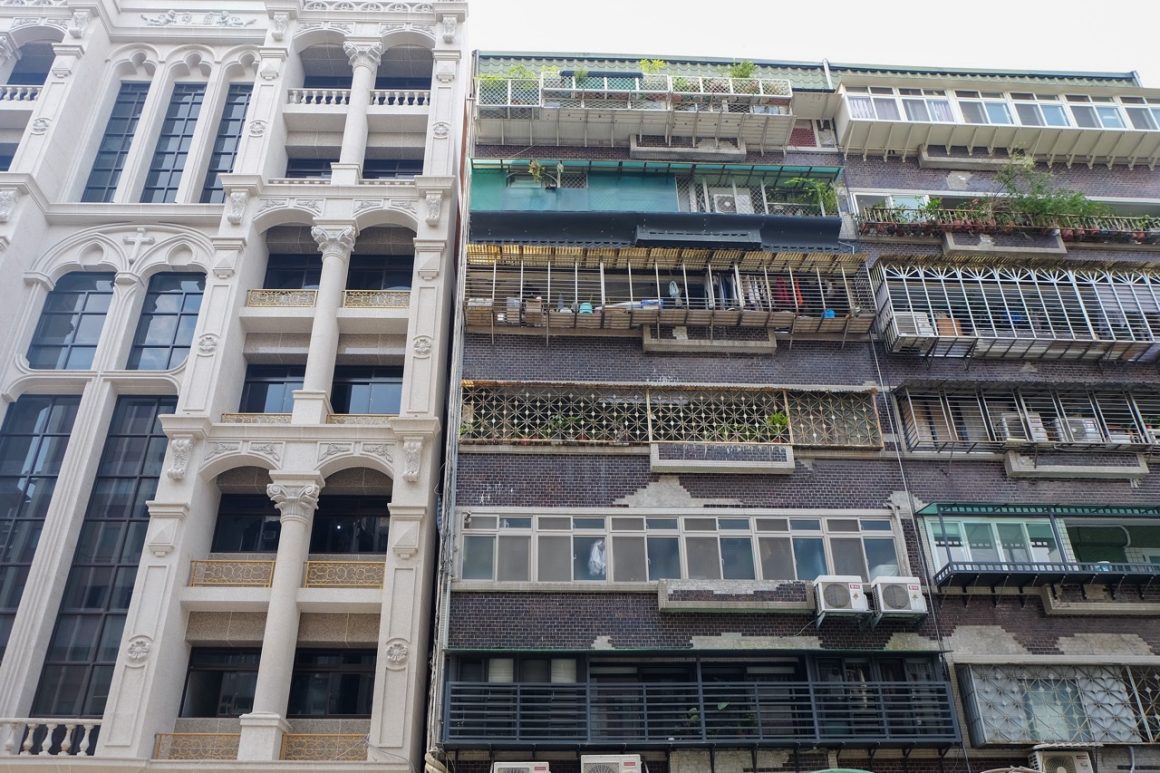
column 362, row 205
column 327, row 450
column 137, row 652
column 445, row 72
column 434, row 201
column 448, row 25
column 294, row 501
column 7, row 48
column 79, row 23
column 40, row 125
column 7, row 204
column 172, row 18
column 441, row 130
column 278, row 24
column 381, row 450
column 270, row 450
column 237, row 206
column 365, row 54
column 421, row 345
column 270, row 69
column 219, row 448
column 332, row 240
column 207, row 344
column 412, row 458
column 314, row 205
column 257, row 128
column 396, row 653
column 266, row 204
column 179, row 450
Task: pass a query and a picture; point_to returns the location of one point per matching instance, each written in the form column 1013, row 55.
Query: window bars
column 1062, row 704
column 634, row 415
column 621, row 288
column 989, row 419
column 983, row 310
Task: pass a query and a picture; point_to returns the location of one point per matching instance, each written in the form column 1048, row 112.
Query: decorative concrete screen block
column 720, row 457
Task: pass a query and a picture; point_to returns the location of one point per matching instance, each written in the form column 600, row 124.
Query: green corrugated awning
column 1040, row 511
column 686, row 168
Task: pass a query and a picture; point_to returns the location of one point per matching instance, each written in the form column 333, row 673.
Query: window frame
column 227, row 141
column 486, row 529
column 128, row 105
column 174, row 143
column 68, row 344
column 334, row 684
column 181, row 338
column 223, row 668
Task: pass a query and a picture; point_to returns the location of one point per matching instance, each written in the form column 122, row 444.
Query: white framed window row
column 973, row 106
column 615, row 548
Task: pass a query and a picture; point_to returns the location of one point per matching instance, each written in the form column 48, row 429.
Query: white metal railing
column 19, row 93
column 376, row 299
column 48, row 737
column 318, row 97
column 401, row 97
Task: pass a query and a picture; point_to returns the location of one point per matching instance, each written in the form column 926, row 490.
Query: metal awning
column 621, row 257
column 978, row 509
column 770, row 174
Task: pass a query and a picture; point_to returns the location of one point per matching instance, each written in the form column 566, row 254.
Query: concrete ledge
column 1020, row 465
column 989, row 244
column 984, row 163
column 651, row 343
column 727, row 458
column 735, row 596
column 1055, row 607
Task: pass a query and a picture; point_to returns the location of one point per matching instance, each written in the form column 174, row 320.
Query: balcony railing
column 628, row 415
column 19, row 93
column 49, row 737
column 341, row 97
column 995, row 418
column 364, row 419
column 319, row 747
column 256, row 418
column 196, row 746
column 500, row 97
column 991, row 573
column 376, row 299
column 263, row 298
column 229, row 572
column 1019, row 311
column 901, row 222
column 789, row 713
column 344, row 574
column 613, row 289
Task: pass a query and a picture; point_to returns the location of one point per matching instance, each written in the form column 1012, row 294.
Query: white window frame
column 491, row 523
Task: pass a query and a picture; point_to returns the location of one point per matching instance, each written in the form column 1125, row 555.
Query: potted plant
column 777, row 424
column 652, row 72
column 742, row 75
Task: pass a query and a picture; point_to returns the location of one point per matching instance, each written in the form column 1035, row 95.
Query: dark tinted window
column 173, row 143
column 332, row 683
column 70, row 324
column 246, row 523
column 220, row 683
column 350, row 524
column 115, row 144
column 225, row 146
column 293, row 272
column 367, row 390
column 270, row 388
column 168, row 319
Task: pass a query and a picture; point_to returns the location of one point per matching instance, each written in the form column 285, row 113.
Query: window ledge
column 740, row 596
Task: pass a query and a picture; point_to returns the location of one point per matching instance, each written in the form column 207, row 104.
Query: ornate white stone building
column 228, row 236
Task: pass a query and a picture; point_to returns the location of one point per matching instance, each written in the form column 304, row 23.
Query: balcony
column 57, row 737
column 344, row 574
column 196, row 746
column 931, row 223
column 380, row 312
column 324, row 109
column 966, row 574
column 617, row 289
column 619, row 106
column 591, row 414
column 324, row 747
column 968, row 418
column 17, row 104
column 706, row 714
column 256, row 418
column 281, row 299
column 1013, row 311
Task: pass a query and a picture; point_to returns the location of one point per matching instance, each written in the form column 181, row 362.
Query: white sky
column 1099, row 35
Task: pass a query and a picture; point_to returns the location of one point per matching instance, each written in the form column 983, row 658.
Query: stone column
column 364, row 60
column 296, row 497
column 312, row 402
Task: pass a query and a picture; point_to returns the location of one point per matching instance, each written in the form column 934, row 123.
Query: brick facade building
column 737, row 349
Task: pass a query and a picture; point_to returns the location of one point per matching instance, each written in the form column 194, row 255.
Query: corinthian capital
column 365, row 54
column 296, row 501
column 335, row 239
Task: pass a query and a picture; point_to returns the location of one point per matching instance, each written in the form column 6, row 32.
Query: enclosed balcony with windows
column 1033, row 545
column 1005, row 310
column 23, row 73
column 621, row 288
column 966, row 417
column 1056, row 127
column 517, row 701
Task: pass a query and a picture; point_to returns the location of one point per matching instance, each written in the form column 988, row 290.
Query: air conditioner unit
column 913, row 323
column 898, row 597
column 840, row 595
column 1037, row 431
column 1009, row 427
column 728, row 201
column 1084, row 430
column 725, row 202
column 519, row 767
column 610, row 763
column 1053, row 761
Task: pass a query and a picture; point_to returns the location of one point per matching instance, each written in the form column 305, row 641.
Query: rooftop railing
column 926, row 222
